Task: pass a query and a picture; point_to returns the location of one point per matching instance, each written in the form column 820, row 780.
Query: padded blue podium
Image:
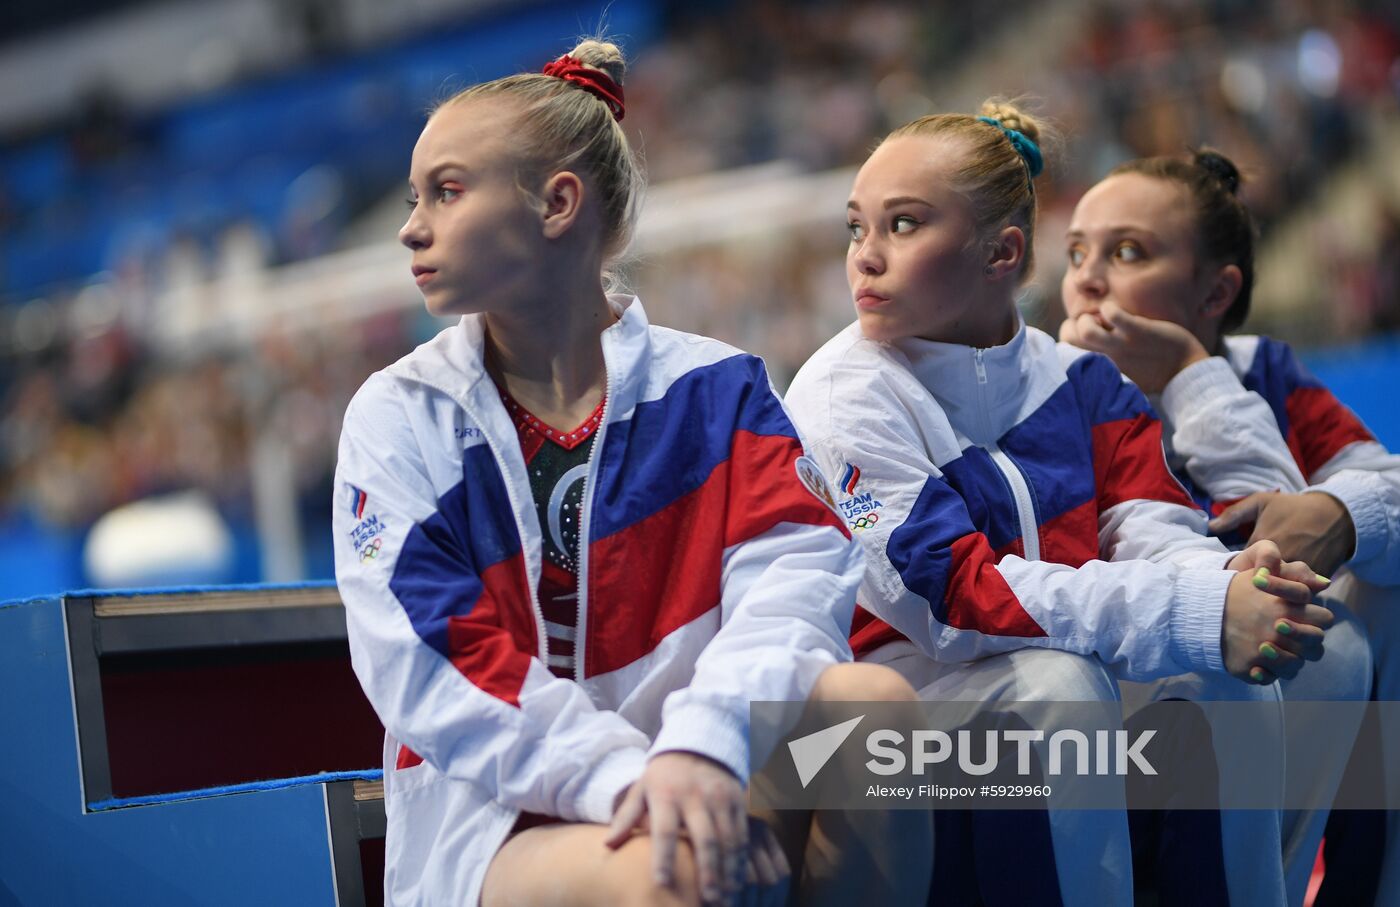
column 190, row 747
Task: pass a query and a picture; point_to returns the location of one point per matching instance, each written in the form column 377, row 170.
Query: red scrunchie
column 594, row 81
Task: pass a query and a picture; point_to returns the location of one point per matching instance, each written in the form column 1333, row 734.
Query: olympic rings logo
column 865, row 521
column 371, row 551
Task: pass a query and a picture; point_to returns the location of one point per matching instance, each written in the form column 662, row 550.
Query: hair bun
column 1010, row 115
column 1220, row 167
column 603, row 55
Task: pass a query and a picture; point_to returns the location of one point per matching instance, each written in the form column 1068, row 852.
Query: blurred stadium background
column 198, row 202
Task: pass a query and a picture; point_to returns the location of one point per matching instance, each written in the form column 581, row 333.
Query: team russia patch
column 815, row 481
column 857, row 509
column 368, row 534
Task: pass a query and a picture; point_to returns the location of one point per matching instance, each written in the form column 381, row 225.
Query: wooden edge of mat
column 221, row 600
column 369, row 790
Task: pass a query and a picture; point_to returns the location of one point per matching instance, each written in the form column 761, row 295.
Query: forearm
column 1227, row 435
column 1372, row 502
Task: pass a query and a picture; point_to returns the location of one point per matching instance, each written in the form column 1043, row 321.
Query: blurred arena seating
column 197, row 257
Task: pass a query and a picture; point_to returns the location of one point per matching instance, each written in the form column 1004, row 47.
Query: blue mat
column 276, row 784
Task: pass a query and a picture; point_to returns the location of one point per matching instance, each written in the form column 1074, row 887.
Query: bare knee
column 632, row 884
column 569, row 864
column 862, row 682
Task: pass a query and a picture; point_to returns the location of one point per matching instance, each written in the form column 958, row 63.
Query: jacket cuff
column 610, row 777
column 1357, row 491
column 697, row 727
column 1199, row 382
column 1197, row 614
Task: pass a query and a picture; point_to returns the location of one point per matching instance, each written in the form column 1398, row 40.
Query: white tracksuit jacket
column 710, row 575
column 1256, row 420
column 1009, row 497
column 1298, row 437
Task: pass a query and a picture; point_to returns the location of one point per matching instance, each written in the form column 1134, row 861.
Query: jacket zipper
column 1020, row 490
column 531, row 578
column 981, row 368
column 586, row 521
column 1021, row 493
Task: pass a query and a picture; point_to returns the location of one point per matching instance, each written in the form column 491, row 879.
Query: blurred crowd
column 94, row 418
column 1290, row 94
column 100, row 426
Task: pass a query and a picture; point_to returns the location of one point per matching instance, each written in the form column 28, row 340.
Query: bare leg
column 567, row 865
column 858, row 856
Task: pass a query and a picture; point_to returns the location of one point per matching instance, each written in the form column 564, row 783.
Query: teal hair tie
column 1027, row 149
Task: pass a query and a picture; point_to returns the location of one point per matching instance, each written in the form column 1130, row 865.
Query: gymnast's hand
column 1149, row 351
column 1271, row 626
column 688, row 793
column 1312, row 526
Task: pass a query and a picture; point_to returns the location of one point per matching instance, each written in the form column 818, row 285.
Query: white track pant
column 1342, row 675
column 1251, row 838
column 1378, row 609
column 1092, row 857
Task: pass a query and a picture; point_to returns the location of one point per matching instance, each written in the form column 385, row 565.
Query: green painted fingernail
column 1256, row 675
column 1260, row 582
column 1284, row 627
column 1323, row 579
column 1268, row 651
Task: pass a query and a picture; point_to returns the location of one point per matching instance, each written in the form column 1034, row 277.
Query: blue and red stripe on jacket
column 1314, row 423
column 1093, row 444
column 707, row 465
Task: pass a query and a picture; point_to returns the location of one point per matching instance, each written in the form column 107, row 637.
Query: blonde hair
column 994, row 176
column 564, row 127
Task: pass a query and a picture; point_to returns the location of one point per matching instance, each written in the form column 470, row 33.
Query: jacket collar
column 454, row 360
column 981, row 390
column 627, row 355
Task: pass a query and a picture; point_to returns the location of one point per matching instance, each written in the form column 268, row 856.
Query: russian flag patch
column 849, row 478
column 358, row 499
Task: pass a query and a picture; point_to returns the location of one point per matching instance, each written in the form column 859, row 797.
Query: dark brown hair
column 1224, row 228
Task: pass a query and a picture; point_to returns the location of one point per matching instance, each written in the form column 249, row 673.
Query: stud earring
column 989, row 270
